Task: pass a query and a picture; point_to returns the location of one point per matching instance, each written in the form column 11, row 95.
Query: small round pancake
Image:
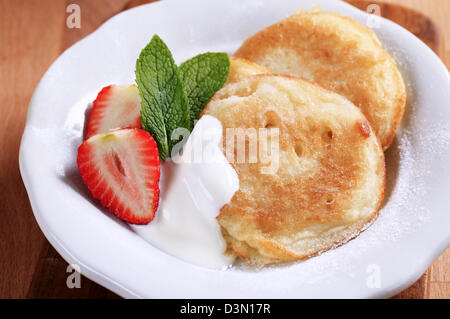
column 328, row 181
column 241, row 68
column 340, row 55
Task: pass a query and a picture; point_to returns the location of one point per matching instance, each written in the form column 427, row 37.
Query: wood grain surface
column 33, row 34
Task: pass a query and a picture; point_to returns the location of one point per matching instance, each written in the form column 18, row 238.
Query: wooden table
column 33, row 34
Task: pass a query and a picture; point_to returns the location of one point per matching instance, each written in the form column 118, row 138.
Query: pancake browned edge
column 340, row 55
column 330, row 180
column 241, row 68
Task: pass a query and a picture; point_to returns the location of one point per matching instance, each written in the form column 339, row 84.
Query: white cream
column 194, row 186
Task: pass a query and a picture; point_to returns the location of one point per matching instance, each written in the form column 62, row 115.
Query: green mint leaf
column 164, row 103
column 203, row 75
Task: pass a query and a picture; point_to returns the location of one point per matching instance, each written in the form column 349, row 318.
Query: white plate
column 414, row 224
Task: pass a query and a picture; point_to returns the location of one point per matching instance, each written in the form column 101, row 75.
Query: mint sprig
column 173, row 97
column 203, row 76
column 164, row 103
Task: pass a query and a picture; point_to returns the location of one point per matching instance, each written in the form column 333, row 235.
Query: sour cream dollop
column 194, row 185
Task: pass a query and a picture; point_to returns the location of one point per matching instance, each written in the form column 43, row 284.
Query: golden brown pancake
column 241, row 68
column 340, row 55
column 329, row 182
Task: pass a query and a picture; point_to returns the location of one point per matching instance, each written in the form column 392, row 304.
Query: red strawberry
column 121, row 169
column 115, row 107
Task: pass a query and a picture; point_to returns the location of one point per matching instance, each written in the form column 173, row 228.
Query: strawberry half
column 121, row 169
column 116, row 106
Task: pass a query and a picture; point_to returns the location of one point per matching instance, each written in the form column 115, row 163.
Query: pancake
column 339, row 54
column 241, row 68
column 329, row 181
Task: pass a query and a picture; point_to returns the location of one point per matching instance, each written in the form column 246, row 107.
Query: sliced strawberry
column 121, row 169
column 116, row 106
